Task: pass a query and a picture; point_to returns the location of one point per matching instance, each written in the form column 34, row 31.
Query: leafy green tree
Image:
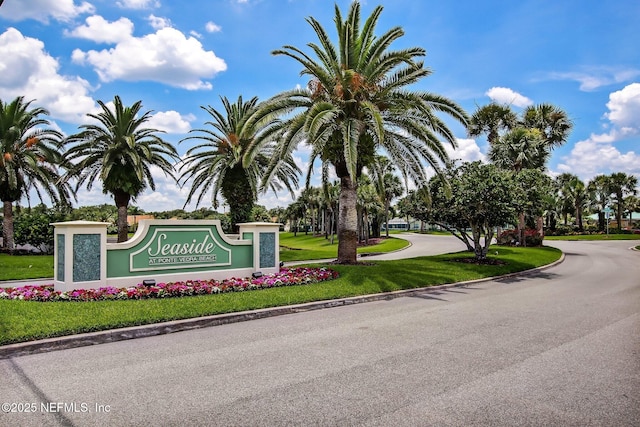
column 216, row 165
column 481, row 199
column 621, row 185
column 533, row 187
column 32, row 227
column 30, row 155
column 358, row 101
column 120, row 152
column 417, row 205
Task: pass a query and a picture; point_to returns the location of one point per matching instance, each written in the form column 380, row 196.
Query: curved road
column 559, row 347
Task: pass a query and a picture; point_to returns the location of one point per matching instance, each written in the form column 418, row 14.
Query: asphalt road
column 559, row 348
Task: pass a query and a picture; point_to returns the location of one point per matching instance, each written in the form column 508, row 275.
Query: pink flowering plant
column 286, row 277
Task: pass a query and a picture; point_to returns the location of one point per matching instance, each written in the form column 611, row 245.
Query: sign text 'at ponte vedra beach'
column 170, row 249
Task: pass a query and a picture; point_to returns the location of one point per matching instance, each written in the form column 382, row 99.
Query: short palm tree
column 620, row 186
column 215, row 166
column 357, row 102
column 120, row 152
column 30, row 157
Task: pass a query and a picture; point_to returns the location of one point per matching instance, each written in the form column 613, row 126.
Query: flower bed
column 286, row 277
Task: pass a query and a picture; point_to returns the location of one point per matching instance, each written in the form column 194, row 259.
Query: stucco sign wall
column 162, row 250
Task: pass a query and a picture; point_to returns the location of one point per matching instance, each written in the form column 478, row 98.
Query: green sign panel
column 179, row 248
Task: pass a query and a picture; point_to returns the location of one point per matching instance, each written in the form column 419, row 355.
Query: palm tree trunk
column 386, row 217
column 7, row 226
column 122, row 203
column 347, row 222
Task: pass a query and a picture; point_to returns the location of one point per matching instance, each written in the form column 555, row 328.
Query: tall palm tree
column 577, row 192
column 388, row 185
column 216, row 165
column 566, row 205
column 120, row 152
column 331, row 196
column 491, row 119
column 620, row 186
column 30, row 156
column 599, row 197
column 520, row 149
column 357, row 102
column 368, row 204
column 552, row 121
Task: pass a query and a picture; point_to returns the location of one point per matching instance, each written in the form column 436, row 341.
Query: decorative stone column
column 80, row 255
column 266, row 245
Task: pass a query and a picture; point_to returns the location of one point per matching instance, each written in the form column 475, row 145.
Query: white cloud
column 100, row 30
column 158, row 22
column 589, row 158
column 212, row 28
column 624, row 107
column 166, row 56
column 170, row 122
column 598, row 154
column 503, row 95
column 467, row 151
column 27, row 70
column 596, row 77
column 138, row 4
column 43, row 10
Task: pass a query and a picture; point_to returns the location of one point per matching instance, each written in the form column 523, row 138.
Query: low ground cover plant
column 286, row 277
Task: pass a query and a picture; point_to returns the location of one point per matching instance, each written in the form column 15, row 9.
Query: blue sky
column 175, row 56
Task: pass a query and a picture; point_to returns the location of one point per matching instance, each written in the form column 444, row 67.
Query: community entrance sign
column 161, row 250
column 171, row 249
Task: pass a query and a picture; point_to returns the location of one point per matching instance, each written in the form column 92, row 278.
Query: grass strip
column 27, row 320
column 307, row 247
column 20, row 267
column 592, row 237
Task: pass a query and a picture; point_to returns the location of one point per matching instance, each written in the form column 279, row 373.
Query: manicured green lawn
column 307, row 247
column 18, row 267
column 596, row 237
column 27, row 320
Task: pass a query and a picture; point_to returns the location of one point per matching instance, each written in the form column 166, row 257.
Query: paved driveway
column 561, row 347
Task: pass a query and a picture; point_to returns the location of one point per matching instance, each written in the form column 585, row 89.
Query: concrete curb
column 121, row 334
